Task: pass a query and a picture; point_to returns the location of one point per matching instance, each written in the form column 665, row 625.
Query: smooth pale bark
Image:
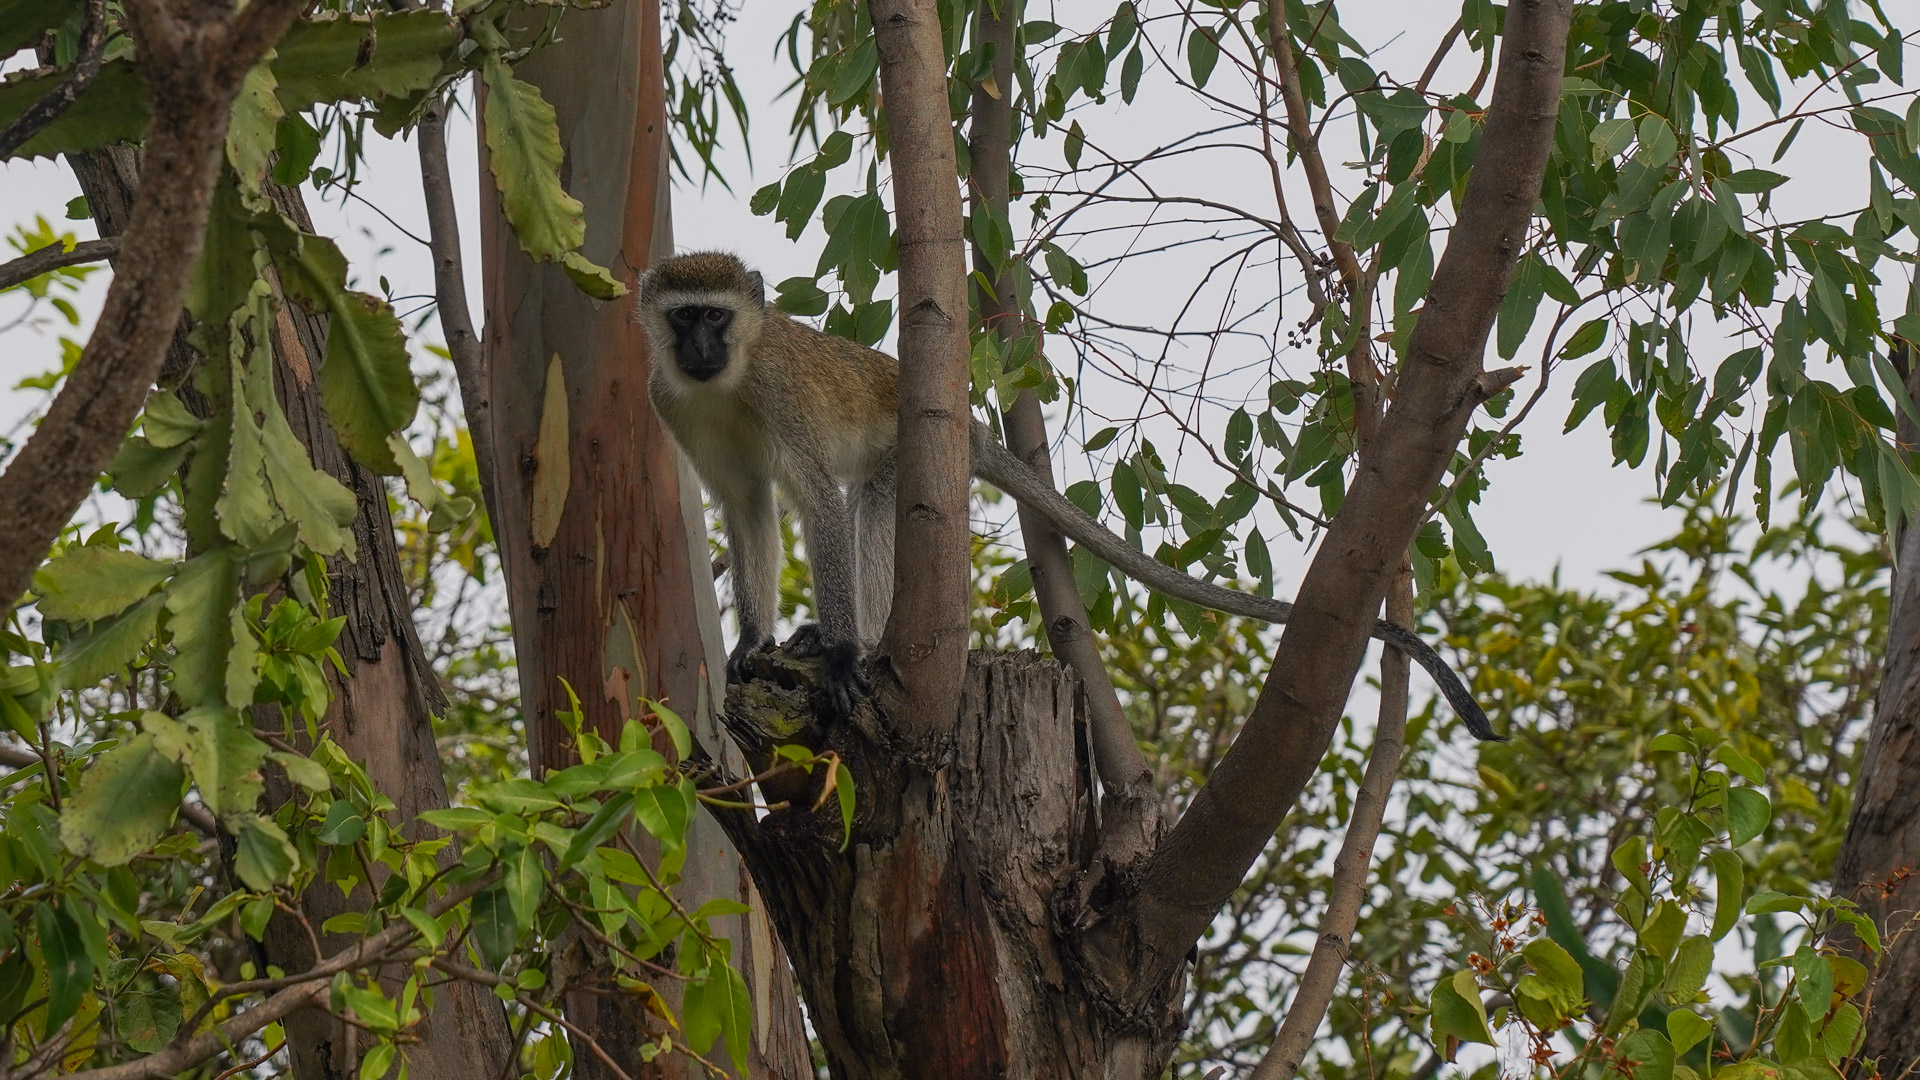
column 601, row 532
column 925, row 643
column 1883, row 835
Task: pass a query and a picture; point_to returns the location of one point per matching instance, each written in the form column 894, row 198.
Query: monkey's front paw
column 737, row 670
column 807, row 641
column 842, row 681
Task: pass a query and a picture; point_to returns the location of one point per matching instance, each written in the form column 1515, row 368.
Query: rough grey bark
column 934, row 947
column 1883, row 835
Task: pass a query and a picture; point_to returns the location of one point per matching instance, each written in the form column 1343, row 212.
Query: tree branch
column 1354, row 865
column 192, row 73
column 93, row 48
column 1234, row 816
column 1117, row 758
column 182, row 1054
column 53, row 257
column 450, row 296
column 927, row 632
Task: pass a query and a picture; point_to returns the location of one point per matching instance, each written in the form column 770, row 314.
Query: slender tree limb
column 93, row 49
column 1300, row 128
column 1234, row 816
column 1117, row 758
column 53, row 257
column 192, row 62
column 925, row 643
column 450, row 295
column 1353, row 867
column 184, row 1053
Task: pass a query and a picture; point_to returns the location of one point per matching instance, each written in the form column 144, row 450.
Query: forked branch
column 1234, row 816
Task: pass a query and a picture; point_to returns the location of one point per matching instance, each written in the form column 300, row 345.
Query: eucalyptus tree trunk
column 1882, row 847
column 602, row 532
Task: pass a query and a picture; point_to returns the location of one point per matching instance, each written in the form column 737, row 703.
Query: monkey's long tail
column 998, row 466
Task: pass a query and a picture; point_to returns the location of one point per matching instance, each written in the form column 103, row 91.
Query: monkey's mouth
column 701, row 371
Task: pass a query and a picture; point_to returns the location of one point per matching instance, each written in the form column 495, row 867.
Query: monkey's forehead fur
column 699, row 271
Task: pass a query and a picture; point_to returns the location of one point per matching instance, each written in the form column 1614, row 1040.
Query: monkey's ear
column 757, row 288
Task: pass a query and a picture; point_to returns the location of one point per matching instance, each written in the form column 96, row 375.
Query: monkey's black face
column 700, row 339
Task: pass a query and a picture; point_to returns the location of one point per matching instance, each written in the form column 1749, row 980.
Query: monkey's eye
column 718, row 316
column 682, row 316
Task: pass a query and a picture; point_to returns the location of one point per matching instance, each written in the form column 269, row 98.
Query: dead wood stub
column 940, row 942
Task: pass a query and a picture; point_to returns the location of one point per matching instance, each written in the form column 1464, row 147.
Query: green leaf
column 604, row 823
column 125, row 804
column 263, row 857
column 147, row 1015
column 1729, row 874
column 140, row 469
column 718, row 1005
column 95, row 582
column 23, row 21
column 1643, row 1055
column 302, row 769
column 1688, row 972
column 320, row 507
column 1555, row 989
column 109, row 647
column 1457, row 1010
column 493, row 928
column 1203, row 52
column 226, row 759
column 457, row 819
column 1813, row 976
column 343, row 825
column 202, row 602
column 345, row 58
column 366, row 382
column 69, row 968
column 523, row 143
column 525, row 879
column 112, row 109
column 592, row 278
column 251, row 128
column 1686, row 1028
column 1748, row 813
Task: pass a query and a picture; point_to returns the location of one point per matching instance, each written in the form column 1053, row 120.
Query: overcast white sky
column 1560, row 505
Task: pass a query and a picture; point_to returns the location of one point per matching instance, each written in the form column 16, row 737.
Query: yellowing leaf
column 523, row 145
column 1457, row 1011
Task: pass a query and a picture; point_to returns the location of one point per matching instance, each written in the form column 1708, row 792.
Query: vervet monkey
column 756, row 400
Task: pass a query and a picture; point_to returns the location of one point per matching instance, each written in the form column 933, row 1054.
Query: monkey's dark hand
column 807, row 641
column 842, row 681
column 737, row 659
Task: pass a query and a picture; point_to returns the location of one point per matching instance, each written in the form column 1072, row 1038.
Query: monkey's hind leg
column 873, row 557
column 826, row 522
column 753, row 544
